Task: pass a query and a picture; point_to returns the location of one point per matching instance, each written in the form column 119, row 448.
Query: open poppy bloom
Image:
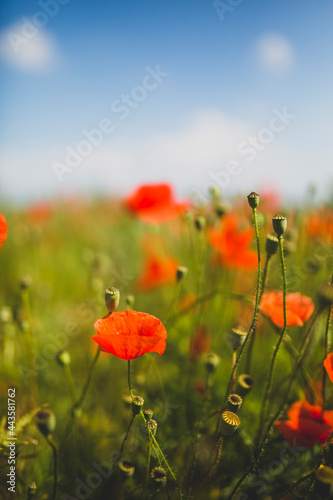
column 233, row 244
column 130, row 334
column 3, row 229
column 299, row 308
column 154, row 203
column 157, row 271
column 328, row 363
column 307, row 424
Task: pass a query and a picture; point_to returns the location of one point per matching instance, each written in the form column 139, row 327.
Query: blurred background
column 98, row 97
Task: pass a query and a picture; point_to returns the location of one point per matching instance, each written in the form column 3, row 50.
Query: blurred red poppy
column 307, row 424
column 328, row 363
column 3, row 229
column 233, row 244
column 154, row 203
column 130, row 334
column 157, row 271
column 299, row 308
column 200, row 343
column 39, row 212
column 320, row 224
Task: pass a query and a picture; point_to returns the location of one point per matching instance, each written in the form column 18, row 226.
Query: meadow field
column 210, row 370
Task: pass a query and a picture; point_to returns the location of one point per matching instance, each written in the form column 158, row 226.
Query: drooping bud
column 244, row 385
column 279, row 224
column 63, row 358
column 237, row 338
column 272, row 244
column 111, row 299
column 181, row 273
column 45, row 421
column 200, row 222
column 159, row 476
column 229, row 423
column 212, row 361
column 253, row 199
column 137, row 403
column 234, row 403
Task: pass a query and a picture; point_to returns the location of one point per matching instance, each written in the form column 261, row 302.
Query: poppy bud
column 200, row 223
column 245, row 384
column 45, row 421
column 237, row 338
column 111, row 299
column 137, row 403
column 63, row 358
column 272, row 244
column 32, row 488
column 152, row 427
column 279, row 224
column 148, row 413
column 325, row 295
column 221, row 208
column 181, row 273
column 229, row 423
column 159, row 476
column 127, row 469
column 234, row 403
column 253, row 199
column 214, row 193
column 211, row 362
column 130, row 300
column 25, row 282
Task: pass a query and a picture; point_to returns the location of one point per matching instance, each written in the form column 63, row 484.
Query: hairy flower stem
column 256, row 307
column 129, row 378
column 55, row 475
column 292, row 378
column 126, row 436
column 263, row 284
column 284, row 328
column 81, row 399
column 69, row 377
column 326, row 348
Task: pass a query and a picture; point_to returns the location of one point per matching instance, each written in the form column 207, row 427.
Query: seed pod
column 127, row 469
column 253, row 199
column 229, row 423
column 237, row 338
column 212, row 361
column 181, row 273
column 272, row 244
column 159, row 476
column 234, row 403
column 279, row 224
column 137, row 403
column 45, row 421
column 244, row 385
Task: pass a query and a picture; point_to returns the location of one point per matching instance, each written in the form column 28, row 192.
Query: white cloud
column 274, row 53
column 27, row 47
column 194, row 157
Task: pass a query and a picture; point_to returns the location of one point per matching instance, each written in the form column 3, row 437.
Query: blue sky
column 226, row 70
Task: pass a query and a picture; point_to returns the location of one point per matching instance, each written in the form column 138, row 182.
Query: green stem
column 271, row 370
column 129, row 378
column 81, row 399
column 260, row 449
column 126, row 435
column 263, row 284
column 256, row 307
column 326, row 347
column 69, row 377
column 148, row 462
column 55, row 476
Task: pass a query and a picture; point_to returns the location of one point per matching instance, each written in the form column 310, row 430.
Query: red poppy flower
column 157, row 271
column 328, row 363
column 233, row 244
column 320, row 224
column 130, row 334
column 200, row 343
column 3, row 229
column 39, row 213
column 307, row 424
column 299, row 308
column 154, row 203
